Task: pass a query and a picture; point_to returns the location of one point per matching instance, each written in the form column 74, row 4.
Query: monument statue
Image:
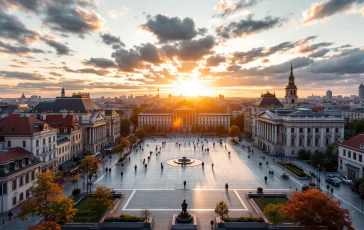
column 184, row 208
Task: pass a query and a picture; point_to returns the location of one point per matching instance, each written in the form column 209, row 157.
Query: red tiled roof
column 14, row 154
column 58, row 121
column 317, row 108
column 17, row 125
column 355, row 141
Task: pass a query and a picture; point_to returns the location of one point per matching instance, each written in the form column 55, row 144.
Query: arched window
column 292, row 101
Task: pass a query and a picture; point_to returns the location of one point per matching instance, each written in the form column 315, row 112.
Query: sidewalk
column 19, row 225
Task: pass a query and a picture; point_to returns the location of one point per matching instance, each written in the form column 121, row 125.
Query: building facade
column 329, row 95
column 291, row 97
column 350, row 161
column 63, row 150
column 18, row 168
column 184, row 120
column 361, row 91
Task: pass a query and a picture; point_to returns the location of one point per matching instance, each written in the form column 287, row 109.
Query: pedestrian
column 212, row 224
column 265, row 178
column 203, row 164
column 122, row 174
column 10, row 215
column 129, row 158
column 109, row 170
column 106, row 169
column 332, row 191
column 212, row 165
column 184, row 184
column 135, row 167
column 328, row 187
column 122, row 164
column 226, row 187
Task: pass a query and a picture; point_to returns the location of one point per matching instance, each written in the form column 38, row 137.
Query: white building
column 351, row 154
column 63, row 150
column 34, row 135
column 353, row 115
column 17, row 174
column 184, row 119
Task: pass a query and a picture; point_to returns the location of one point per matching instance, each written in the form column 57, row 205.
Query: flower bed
column 124, row 218
column 84, row 214
column 234, row 141
column 243, row 219
column 293, row 169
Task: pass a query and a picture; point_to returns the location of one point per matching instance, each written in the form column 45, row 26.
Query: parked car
column 345, row 179
column 333, row 181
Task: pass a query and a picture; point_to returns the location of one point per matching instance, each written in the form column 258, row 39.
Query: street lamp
column 319, row 177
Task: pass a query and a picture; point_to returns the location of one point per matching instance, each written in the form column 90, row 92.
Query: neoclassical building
column 184, row 119
column 279, row 130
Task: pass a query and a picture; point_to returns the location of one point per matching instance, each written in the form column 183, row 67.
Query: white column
column 322, row 137
column 275, row 134
column 89, row 136
column 288, row 136
column 297, row 136
column 342, row 133
column 313, row 137
column 332, row 134
column 305, row 139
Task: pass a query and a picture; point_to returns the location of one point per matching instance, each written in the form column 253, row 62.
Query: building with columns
column 91, row 118
column 184, row 119
column 286, row 131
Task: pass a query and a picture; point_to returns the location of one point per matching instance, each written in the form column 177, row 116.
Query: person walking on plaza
column 122, row 174
column 226, row 187
column 212, row 224
column 184, row 184
column 328, row 187
column 212, row 165
column 332, row 191
column 135, row 167
column 106, row 169
column 10, row 215
column 109, row 170
column 265, row 178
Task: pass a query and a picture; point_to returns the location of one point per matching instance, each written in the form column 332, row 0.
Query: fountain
column 184, row 161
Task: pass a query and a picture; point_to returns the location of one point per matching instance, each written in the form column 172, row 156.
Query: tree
column 48, row 201
column 141, row 133
column 234, row 131
column 124, row 144
column 125, row 127
column 74, row 180
column 313, row 209
column 101, row 200
column 220, row 129
column 133, row 139
column 90, row 166
column 46, row 226
column 303, row 154
column 238, row 121
column 222, row 209
column 145, row 213
column 134, row 117
column 274, row 213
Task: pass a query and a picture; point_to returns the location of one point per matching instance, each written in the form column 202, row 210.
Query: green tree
column 133, row 139
column 141, row 133
column 222, row 209
column 318, row 158
column 125, row 127
column 234, row 131
column 101, row 200
column 303, row 154
column 74, row 180
column 274, row 213
column 48, row 201
column 90, row 166
column 134, row 117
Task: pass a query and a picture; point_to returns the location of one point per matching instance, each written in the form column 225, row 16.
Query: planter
column 192, row 225
column 292, row 174
column 128, row 225
column 220, row 225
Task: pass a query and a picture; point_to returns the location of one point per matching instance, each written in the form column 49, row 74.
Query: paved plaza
column 162, row 191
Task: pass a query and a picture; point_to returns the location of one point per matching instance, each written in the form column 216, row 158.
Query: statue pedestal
column 190, row 225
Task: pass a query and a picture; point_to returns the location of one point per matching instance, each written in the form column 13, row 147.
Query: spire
column 291, row 75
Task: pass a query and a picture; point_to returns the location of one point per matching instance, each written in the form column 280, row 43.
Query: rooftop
column 17, row 125
column 356, row 142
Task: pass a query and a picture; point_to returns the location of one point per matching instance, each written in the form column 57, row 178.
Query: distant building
column 329, row 95
column 351, row 154
column 18, row 168
column 361, row 91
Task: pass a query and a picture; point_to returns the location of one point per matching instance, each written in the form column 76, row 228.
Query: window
column 9, row 144
column 44, row 141
column 341, row 161
column 54, row 138
column 292, row 130
column 308, row 141
column 14, row 200
column 21, row 196
column 21, row 181
column 301, row 130
column 354, row 156
column 349, row 154
column 33, row 175
column 24, row 144
column 336, row 130
column 309, row 130
column 344, row 152
column 360, row 158
column 27, row 178
column 27, row 193
column 327, row 130
column 49, row 139
column 317, row 130
column 37, row 152
column 37, row 143
column 327, row 141
column 14, row 184
column 5, row 188
column 317, row 142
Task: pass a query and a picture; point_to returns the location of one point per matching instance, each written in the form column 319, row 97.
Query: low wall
column 128, row 225
column 221, row 225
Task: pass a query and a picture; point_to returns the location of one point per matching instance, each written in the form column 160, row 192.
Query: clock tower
column 291, row 98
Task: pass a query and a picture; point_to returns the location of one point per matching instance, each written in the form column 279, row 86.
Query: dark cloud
column 18, row 50
column 170, row 29
column 109, row 39
column 215, row 60
column 319, row 53
column 326, row 9
column 21, row 75
column 150, row 53
column 314, row 47
column 56, row 74
column 20, row 62
column 100, row 62
column 195, row 49
column 228, row 7
column 305, row 40
column 60, row 48
column 100, row 72
column 25, row 5
column 12, row 28
column 248, row 26
column 128, row 60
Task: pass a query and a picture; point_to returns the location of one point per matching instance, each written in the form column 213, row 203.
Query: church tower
column 63, row 94
column 291, row 98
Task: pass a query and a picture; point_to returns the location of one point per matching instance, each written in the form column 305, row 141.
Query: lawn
column 262, row 202
column 84, row 214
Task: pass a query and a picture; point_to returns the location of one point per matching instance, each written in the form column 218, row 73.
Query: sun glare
column 193, row 88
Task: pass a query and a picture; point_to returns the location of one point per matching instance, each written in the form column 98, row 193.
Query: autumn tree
column 141, row 133
column 125, row 127
column 274, row 213
column 74, row 180
column 314, row 209
column 46, row 226
column 124, row 144
column 133, row 139
column 234, row 131
column 90, row 166
column 101, row 200
column 48, row 201
column 222, row 209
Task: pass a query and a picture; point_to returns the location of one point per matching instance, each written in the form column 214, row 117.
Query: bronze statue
column 184, row 208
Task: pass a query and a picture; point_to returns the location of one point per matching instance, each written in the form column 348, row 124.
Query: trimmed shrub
column 259, row 189
column 76, row 191
column 234, row 141
column 243, row 219
column 124, row 218
column 305, row 187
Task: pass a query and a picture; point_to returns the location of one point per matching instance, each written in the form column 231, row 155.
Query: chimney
column 43, row 116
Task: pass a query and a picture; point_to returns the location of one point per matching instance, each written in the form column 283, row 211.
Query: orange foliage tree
column 48, row 201
column 46, row 226
column 101, row 200
column 314, row 209
column 90, row 166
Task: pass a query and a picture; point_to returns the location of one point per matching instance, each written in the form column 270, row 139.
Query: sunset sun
column 193, row 87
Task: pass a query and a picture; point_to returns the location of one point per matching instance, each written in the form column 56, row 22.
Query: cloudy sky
column 204, row 47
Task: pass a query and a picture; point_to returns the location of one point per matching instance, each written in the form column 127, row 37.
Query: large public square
column 162, row 191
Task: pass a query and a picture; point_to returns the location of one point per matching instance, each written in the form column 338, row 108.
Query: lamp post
column 319, row 177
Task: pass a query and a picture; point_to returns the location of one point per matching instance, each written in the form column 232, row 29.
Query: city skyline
column 236, row 48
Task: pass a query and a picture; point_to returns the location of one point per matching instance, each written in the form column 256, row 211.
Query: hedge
column 124, row 218
column 293, row 168
column 234, row 141
column 243, row 219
